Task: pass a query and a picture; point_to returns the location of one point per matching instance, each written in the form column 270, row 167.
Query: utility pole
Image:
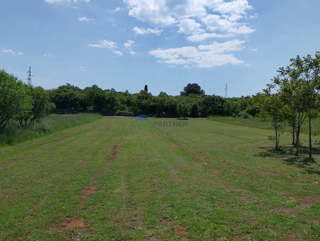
column 226, row 89
column 29, row 76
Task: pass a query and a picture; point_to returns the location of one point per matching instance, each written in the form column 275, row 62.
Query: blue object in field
column 141, row 117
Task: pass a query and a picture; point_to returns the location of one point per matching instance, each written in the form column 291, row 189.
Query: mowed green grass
column 110, row 180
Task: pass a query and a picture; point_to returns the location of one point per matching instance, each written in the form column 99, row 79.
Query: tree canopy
column 192, row 89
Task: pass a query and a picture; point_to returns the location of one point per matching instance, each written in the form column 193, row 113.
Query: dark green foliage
column 21, row 102
column 33, row 104
column 194, row 110
column 252, row 110
column 192, row 89
column 183, row 109
column 40, row 107
column 69, row 98
column 298, row 87
column 245, row 115
column 211, row 105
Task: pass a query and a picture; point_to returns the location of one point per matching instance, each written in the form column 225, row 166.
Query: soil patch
column 86, row 192
column 275, row 173
column 72, row 223
column 247, row 235
column 312, row 199
column 114, row 152
column 314, row 221
column 284, row 211
column 199, row 157
column 181, row 230
column 165, row 220
column 176, row 146
column 269, row 229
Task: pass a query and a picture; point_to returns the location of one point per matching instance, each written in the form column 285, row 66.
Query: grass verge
column 15, row 134
column 265, row 124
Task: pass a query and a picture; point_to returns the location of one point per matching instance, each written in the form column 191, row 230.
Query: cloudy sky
column 166, row 44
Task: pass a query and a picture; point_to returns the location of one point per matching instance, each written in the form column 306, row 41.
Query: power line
column 29, row 76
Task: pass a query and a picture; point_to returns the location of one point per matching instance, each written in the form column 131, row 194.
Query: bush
column 246, row 116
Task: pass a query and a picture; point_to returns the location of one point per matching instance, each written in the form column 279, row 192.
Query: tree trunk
column 276, row 138
column 310, row 139
column 293, row 135
column 297, row 140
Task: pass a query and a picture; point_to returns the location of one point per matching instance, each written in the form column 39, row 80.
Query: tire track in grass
column 161, row 182
column 87, row 191
column 73, row 225
column 181, row 146
column 85, row 194
column 114, row 153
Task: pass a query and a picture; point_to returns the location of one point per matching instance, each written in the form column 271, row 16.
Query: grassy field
column 14, row 133
column 265, row 124
column 112, row 180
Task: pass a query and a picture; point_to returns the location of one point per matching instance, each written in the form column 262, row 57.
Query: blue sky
column 165, row 44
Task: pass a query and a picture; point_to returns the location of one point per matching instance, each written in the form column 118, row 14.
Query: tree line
column 192, row 102
column 28, row 105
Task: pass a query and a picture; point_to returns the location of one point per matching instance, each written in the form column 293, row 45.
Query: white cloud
column 105, row 44
column 254, row 16
column 65, row 1
column 8, row 51
column 128, row 44
column 142, row 31
column 85, row 19
column 242, row 30
column 203, row 56
column 234, row 7
column 189, row 26
column 225, row 47
column 117, row 9
column 219, row 24
column 153, row 12
column 118, row 53
column 201, row 37
column 48, row 55
column 132, row 52
column 254, row 49
column 192, row 17
column 83, row 68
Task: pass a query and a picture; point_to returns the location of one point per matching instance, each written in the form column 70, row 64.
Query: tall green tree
column 307, row 70
column 273, row 106
column 183, row 109
column 292, row 94
column 40, row 107
column 192, row 89
column 14, row 98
